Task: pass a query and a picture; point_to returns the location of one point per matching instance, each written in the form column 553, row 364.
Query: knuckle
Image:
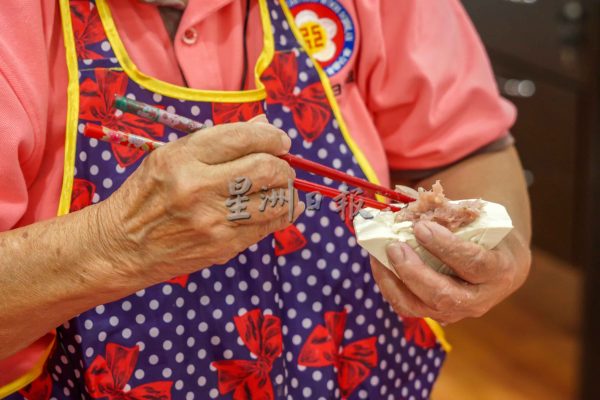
column 181, row 190
column 198, row 145
column 268, row 168
column 445, row 243
column 268, row 135
column 235, row 132
column 283, row 168
column 237, row 138
column 265, row 161
column 278, row 165
column 443, row 300
column 475, row 260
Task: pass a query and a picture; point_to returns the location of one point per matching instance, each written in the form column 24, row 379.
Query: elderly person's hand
column 170, row 217
column 483, row 277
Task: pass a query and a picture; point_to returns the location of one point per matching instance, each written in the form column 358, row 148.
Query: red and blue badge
column 327, row 30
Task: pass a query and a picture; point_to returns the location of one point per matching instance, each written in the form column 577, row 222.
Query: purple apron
column 296, row 316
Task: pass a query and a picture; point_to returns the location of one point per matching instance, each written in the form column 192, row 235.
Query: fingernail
column 423, row 232
column 396, row 252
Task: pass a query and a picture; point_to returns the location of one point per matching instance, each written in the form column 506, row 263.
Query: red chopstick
column 334, row 174
column 184, row 124
column 145, row 144
column 332, row 193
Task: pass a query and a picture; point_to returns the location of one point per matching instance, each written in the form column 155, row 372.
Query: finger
column 441, row 293
column 402, row 300
column 260, row 210
column 249, row 234
column 260, row 169
column 469, row 261
column 229, row 142
column 282, row 222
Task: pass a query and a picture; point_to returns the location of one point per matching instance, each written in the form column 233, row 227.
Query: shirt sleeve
column 427, row 82
column 16, row 137
column 23, row 105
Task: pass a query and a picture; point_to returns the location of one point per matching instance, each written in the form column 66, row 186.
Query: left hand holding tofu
column 483, row 277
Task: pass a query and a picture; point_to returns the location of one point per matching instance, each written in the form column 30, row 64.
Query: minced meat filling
column 434, row 206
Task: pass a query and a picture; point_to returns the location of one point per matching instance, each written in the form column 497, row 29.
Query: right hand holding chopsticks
column 169, row 217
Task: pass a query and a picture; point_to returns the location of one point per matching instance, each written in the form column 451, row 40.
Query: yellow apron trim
column 358, row 154
column 68, row 174
column 29, row 376
column 180, row 92
column 265, row 58
column 72, row 109
column 437, row 330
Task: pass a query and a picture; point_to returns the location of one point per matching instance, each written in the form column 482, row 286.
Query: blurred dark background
column 543, row 343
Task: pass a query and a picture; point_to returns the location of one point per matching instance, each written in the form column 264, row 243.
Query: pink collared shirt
column 416, row 91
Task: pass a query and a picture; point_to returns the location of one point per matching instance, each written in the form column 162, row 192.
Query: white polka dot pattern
column 179, row 329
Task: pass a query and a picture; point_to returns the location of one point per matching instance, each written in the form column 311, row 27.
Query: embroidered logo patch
column 328, row 31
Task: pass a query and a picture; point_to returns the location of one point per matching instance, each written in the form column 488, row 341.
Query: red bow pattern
column 224, row 113
column 39, row 389
column 180, row 280
column 251, row 379
column 310, row 108
column 107, row 377
column 353, row 361
column 87, row 29
column 417, row 330
column 98, row 105
column 82, row 194
column 288, row 240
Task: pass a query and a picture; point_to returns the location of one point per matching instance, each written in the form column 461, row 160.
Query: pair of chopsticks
column 187, row 125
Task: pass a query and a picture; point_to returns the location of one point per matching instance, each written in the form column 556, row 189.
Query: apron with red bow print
column 296, row 316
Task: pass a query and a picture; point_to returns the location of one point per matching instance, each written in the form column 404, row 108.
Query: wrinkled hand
column 484, row 277
column 170, row 217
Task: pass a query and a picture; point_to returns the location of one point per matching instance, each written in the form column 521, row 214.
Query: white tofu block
column 374, row 234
